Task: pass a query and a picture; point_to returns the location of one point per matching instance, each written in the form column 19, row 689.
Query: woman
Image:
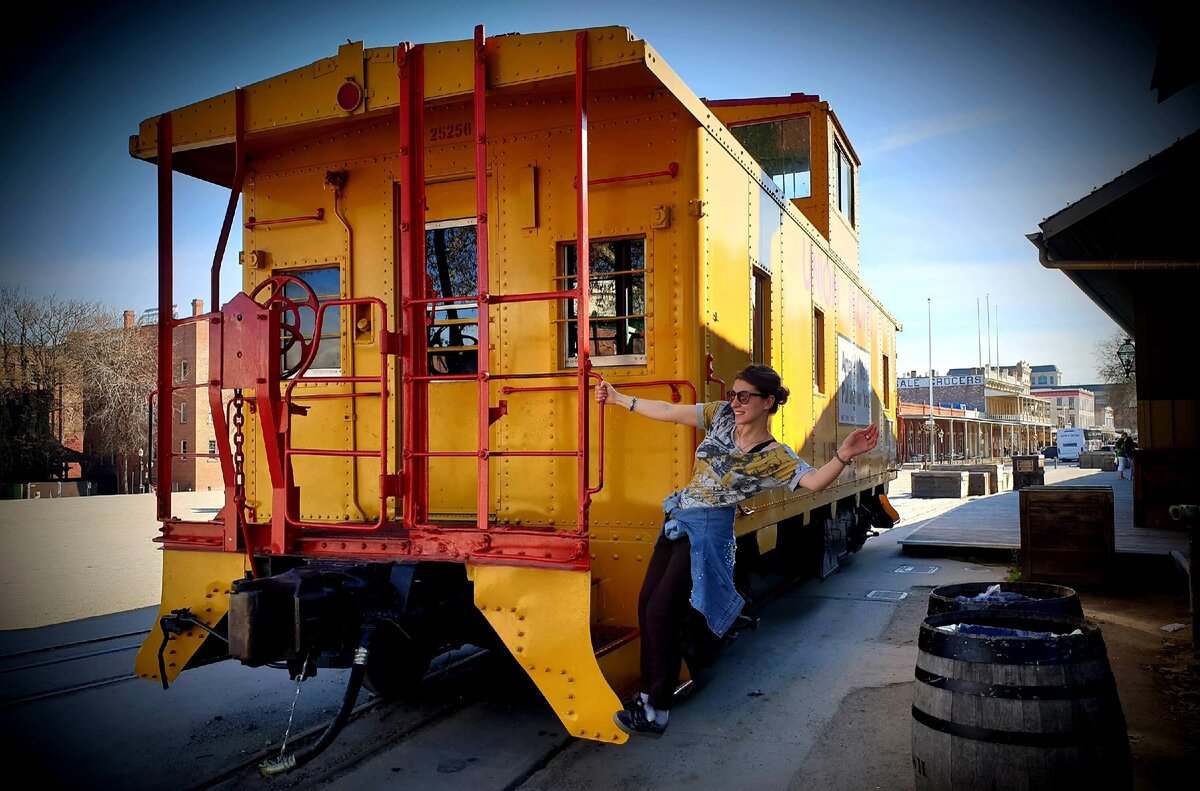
column 693, row 557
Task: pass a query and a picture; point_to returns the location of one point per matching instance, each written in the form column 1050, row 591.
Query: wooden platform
column 994, row 522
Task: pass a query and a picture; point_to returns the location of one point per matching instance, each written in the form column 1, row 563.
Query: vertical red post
column 483, row 489
column 166, row 356
column 583, row 357
column 415, row 420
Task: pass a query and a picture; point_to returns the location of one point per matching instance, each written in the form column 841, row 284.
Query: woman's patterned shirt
column 724, row 474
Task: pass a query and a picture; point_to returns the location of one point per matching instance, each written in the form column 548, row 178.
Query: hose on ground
column 286, row 763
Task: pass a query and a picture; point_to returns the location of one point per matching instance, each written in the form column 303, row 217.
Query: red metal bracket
column 497, row 412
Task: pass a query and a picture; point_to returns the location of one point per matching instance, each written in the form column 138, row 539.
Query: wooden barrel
column 1016, row 712
column 1039, row 597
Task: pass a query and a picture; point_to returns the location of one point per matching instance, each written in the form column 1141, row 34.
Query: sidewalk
column 78, row 557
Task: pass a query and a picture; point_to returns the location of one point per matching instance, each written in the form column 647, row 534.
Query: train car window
column 819, row 349
column 452, row 266
column 326, row 283
column 783, row 149
column 760, row 304
column 887, row 379
column 845, row 184
column 617, row 294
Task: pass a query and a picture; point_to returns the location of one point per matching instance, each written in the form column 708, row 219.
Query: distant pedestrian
column 1124, row 448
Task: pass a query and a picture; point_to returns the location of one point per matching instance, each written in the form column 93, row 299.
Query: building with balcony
column 976, row 413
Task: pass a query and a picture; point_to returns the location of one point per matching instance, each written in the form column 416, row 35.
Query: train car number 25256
column 449, row 131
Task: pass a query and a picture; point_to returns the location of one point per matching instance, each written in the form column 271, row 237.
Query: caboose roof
column 300, row 103
column 294, row 106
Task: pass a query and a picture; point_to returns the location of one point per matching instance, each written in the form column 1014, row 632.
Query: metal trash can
column 1029, row 471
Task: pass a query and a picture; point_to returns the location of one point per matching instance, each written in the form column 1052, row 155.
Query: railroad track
column 446, row 690
column 38, row 674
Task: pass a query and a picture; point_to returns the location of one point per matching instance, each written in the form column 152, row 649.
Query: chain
column 239, row 439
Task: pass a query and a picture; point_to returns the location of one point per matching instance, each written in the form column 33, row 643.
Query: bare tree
column 40, row 394
column 118, row 366
column 68, row 369
column 1122, row 392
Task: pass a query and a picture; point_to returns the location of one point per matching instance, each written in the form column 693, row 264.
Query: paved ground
column 58, row 557
column 818, row 695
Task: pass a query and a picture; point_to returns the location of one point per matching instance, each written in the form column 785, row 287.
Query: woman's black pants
column 662, row 607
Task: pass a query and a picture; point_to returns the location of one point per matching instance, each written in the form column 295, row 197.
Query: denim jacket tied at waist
column 710, row 532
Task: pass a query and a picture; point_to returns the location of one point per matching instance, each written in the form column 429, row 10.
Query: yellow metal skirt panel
column 198, row 581
column 543, row 618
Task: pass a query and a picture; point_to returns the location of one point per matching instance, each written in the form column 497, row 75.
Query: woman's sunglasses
column 743, row 396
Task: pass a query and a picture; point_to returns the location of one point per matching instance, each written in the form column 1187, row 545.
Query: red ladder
column 413, row 485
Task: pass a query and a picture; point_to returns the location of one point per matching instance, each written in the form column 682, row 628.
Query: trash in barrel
column 1016, row 700
column 1024, row 596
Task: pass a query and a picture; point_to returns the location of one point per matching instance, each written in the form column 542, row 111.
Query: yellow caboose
column 442, row 245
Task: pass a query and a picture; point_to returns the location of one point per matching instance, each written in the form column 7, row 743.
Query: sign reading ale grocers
column 940, row 381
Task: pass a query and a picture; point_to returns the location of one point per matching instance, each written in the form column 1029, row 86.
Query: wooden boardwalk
column 994, row 522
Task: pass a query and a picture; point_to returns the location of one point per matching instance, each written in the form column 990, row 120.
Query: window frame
column 326, row 335
column 760, row 316
column 844, row 187
column 562, row 281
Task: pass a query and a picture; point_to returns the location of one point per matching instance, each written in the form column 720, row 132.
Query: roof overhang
column 1140, row 222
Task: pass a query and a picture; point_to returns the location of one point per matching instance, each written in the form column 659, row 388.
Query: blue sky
column 974, row 122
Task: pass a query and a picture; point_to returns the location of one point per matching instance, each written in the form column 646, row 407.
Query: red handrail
column 318, row 217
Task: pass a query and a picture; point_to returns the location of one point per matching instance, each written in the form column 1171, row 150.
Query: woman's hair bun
column 781, row 395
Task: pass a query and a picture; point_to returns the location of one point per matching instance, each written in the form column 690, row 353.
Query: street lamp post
column 929, row 312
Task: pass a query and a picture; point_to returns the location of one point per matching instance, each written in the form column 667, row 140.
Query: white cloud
column 943, row 126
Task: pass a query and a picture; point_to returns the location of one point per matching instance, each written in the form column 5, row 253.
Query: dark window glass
column 452, row 266
column 819, row 349
column 783, row 149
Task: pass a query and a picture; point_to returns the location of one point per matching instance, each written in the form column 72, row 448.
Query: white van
column 1071, row 442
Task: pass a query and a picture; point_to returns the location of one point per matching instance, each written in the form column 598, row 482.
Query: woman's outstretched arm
column 858, row 443
column 684, row 414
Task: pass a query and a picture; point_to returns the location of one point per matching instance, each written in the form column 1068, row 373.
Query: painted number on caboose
column 449, row 131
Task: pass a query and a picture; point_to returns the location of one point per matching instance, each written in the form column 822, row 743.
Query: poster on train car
column 854, row 390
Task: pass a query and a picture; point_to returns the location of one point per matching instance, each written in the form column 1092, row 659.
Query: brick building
column 194, row 440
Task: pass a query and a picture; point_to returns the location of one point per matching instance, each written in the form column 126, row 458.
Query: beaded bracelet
column 633, row 403
column 845, row 463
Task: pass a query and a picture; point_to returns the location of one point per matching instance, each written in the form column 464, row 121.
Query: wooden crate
column 939, row 483
column 978, row 483
column 1067, row 535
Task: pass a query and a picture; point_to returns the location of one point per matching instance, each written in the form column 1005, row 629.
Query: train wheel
column 396, row 663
